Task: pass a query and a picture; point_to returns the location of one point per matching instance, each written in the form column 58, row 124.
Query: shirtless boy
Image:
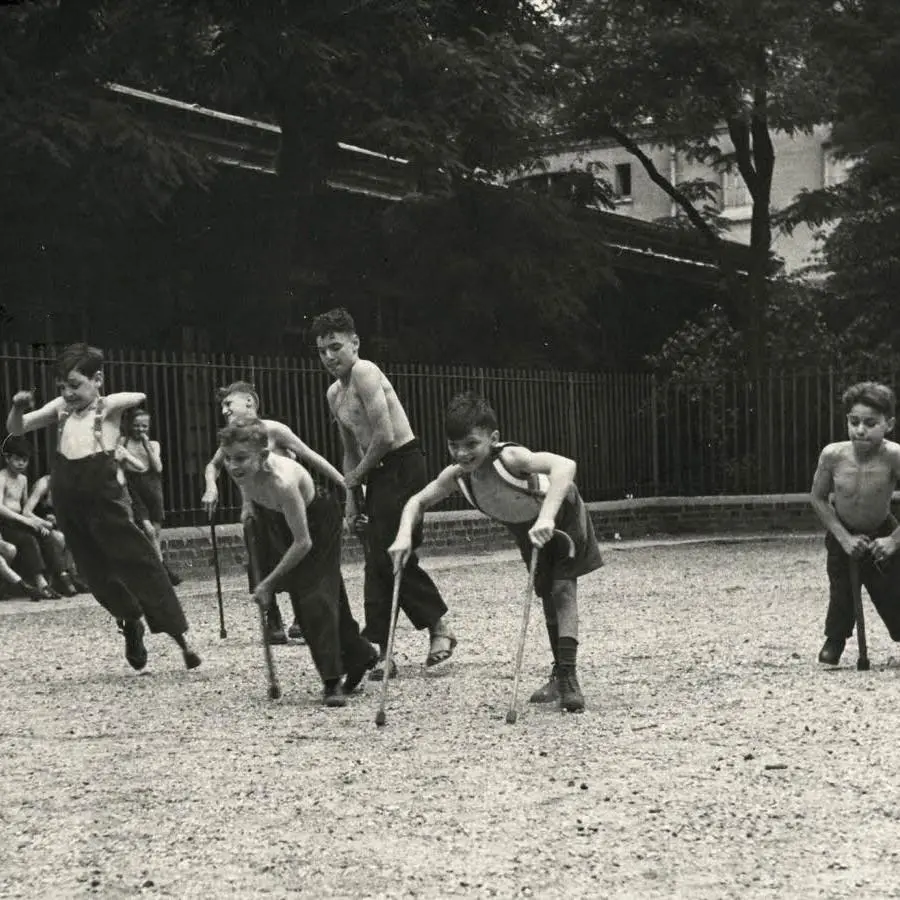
column 862, row 474
column 240, row 400
column 112, row 554
column 297, row 531
column 380, row 451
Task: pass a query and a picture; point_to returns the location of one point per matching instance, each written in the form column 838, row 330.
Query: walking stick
column 512, row 715
column 215, row 558
column 862, row 662
column 255, row 578
column 380, row 716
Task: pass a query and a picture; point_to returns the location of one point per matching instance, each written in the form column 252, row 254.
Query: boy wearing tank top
column 534, row 495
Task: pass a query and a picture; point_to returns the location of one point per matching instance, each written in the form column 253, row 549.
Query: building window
column 735, row 193
column 834, row 170
column 622, row 184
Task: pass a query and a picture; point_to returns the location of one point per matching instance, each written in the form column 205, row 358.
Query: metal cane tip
column 511, row 717
column 380, row 719
column 274, row 692
column 862, row 665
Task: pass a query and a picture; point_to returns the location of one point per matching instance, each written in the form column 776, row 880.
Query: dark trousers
column 35, row 555
column 882, row 583
column 112, row 553
column 316, row 584
column 400, row 474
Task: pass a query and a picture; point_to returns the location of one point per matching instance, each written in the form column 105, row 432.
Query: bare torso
column 863, row 487
column 350, row 411
column 269, row 487
column 13, row 489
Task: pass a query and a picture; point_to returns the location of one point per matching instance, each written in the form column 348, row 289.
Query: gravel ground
column 716, row 758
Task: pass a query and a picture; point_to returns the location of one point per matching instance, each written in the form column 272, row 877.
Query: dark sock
column 567, row 652
column 552, row 629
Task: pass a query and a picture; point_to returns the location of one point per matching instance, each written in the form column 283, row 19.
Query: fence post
column 573, row 422
column 654, row 438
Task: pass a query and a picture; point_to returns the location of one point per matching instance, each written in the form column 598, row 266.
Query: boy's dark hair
column 871, row 393
column 80, row 357
column 466, row 411
column 242, row 429
column 335, row 320
column 16, row 445
column 238, row 387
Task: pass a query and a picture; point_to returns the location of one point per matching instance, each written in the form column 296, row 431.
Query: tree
column 859, row 218
column 675, row 73
column 450, row 87
column 75, row 165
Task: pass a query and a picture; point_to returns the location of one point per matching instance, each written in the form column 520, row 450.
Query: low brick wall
column 189, row 550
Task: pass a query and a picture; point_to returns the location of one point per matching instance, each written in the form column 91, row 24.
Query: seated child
column 533, row 494
column 40, row 503
column 38, row 551
column 8, row 576
column 112, row 553
column 141, row 462
column 862, row 474
column 297, row 532
column 240, row 399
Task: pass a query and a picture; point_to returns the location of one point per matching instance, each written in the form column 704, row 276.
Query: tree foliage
column 859, row 218
column 681, row 74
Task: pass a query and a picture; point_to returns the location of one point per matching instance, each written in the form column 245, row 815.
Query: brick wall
column 189, row 550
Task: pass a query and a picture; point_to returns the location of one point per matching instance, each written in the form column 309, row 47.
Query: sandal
column 443, row 643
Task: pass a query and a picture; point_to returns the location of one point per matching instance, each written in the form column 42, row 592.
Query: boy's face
column 78, row 390
column 474, row 449
column 866, row 426
column 239, row 404
column 140, row 427
column 16, row 464
column 338, row 352
column 243, row 459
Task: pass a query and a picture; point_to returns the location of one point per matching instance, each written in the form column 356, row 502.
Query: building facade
column 802, row 161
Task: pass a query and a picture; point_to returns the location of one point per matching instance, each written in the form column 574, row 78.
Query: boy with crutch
column 534, row 495
column 295, row 532
column 861, row 473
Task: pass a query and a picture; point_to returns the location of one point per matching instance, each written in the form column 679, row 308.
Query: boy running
column 240, row 399
column 112, row 553
column 533, row 494
column 380, row 451
column 298, row 534
column 861, row 473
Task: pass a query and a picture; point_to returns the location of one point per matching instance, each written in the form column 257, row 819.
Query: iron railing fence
column 631, row 434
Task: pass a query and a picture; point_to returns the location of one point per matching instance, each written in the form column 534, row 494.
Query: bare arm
column 286, row 438
column 154, row 455
column 8, row 514
column 20, row 422
column 820, row 494
column 38, row 492
column 294, row 510
column 348, row 439
column 123, row 400
column 442, row 487
column 560, row 471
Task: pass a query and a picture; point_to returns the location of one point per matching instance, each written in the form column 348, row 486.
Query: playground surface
column 716, row 757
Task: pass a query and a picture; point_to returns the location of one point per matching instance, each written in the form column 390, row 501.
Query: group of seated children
column 34, row 560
